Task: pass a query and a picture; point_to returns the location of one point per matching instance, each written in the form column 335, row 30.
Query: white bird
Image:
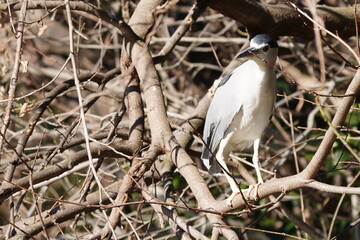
column 241, row 109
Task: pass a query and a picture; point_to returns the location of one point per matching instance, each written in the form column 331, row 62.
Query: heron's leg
column 221, row 155
column 255, row 160
column 233, row 184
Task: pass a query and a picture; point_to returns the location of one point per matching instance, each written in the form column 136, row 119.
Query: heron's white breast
column 257, row 94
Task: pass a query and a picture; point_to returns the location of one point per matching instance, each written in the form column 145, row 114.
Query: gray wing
column 225, row 104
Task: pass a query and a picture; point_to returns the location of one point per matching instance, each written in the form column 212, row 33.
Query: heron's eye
column 266, row 48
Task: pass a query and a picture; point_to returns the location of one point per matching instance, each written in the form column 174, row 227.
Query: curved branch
column 281, row 20
column 331, row 188
column 80, row 6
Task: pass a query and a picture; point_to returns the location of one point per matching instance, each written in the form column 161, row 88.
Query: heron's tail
column 210, row 163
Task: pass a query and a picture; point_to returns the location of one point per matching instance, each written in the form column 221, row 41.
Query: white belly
column 250, row 122
column 248, row 126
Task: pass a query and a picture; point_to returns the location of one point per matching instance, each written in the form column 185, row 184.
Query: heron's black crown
column 262, row 39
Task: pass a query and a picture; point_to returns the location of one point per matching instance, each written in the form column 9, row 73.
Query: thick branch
column 80, row 6
column 282, row 20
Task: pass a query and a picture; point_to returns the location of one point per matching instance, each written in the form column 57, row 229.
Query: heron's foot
column 254, row 188
column 229, row 200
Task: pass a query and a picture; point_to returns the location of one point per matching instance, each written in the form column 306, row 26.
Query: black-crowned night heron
column 241, row 109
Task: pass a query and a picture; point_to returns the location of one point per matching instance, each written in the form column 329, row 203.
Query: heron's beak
column 247, row 52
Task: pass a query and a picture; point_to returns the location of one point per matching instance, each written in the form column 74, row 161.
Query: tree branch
column 281, row 20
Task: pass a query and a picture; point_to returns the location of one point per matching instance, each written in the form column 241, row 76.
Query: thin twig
column 19, row 35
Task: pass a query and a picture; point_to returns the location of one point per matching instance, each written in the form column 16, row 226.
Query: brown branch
column 326, row 145
column 173, row 216
column 162, row 134
column 96, row 77
column 351, row 225
column 162, row 137
column 192, row 16
column 140, row 23
column 120, row 134
column 66, row 212
column 62, row 146
column 14, row 77
column 79, row 6
column 299, row 223
column 135, row 108
column 55, row 170
column 129, row 183
column 281, row 20
column 332, row 189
